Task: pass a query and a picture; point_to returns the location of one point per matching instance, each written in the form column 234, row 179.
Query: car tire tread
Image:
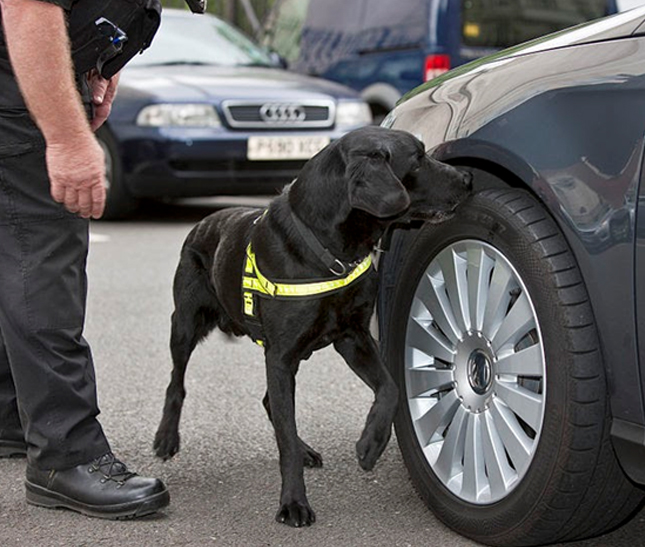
column 589, row 484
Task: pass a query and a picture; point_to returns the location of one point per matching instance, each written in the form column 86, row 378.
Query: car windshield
column 203, row 40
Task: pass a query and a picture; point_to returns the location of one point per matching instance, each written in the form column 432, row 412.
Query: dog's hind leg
column 361, row 354
column 310, row 458
column 196, row 314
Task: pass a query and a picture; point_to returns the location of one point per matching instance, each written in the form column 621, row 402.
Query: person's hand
column 76, row 171
column 103, row 93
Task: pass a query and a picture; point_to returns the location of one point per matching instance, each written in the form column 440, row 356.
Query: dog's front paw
column 369, row 449
column 296, row 514
column 166, row 445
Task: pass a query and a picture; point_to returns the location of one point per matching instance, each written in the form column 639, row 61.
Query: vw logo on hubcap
column 282, row 113
column 479, row 372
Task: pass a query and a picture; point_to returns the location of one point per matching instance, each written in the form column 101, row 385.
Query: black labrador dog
column 313, row 243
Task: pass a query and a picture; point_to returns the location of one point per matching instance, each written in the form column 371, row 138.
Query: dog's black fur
column 348, row 195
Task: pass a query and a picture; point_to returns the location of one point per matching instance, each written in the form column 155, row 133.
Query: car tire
column 119, row 202
column 513, row 391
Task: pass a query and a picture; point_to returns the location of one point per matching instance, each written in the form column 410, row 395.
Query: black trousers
column 47, row 382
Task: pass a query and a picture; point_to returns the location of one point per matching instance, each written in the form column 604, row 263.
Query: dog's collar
column 335, row 265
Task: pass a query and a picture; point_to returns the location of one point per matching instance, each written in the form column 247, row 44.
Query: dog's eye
column 379, row 155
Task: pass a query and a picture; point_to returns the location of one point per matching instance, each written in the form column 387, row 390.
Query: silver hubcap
column 475, row 372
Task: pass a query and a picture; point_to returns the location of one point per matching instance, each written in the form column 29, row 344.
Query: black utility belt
column 106, row 35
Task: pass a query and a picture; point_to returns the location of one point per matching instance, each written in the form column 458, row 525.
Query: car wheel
column 503, row 419
column 119, row 202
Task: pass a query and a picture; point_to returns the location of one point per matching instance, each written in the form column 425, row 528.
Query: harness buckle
column 343, row 270
column 249, row 306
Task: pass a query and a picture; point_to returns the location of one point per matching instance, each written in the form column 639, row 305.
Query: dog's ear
column 372, row 185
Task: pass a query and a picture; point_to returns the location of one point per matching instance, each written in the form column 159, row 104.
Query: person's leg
column 43, row 251
column 42, row 302
column 12, row 441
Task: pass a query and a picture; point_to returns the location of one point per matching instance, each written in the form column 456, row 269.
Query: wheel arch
column 493, row 167
column 507, row 170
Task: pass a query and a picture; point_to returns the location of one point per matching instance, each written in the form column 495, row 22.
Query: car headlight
column 179, row 115
column 353, row 113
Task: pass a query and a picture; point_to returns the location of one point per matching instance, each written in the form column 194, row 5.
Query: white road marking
column 99, row 238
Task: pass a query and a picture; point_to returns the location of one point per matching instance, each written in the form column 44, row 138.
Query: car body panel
column 629, row 437
column 568, row 124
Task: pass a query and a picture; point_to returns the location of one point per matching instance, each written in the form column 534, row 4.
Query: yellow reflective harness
column 255, row 284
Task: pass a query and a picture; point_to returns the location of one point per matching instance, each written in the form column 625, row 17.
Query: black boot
column 102, row 488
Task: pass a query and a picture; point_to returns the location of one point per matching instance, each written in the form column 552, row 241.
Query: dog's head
column 389, row 175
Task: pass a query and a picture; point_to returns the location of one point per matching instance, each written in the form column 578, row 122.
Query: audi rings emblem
column 282, row 113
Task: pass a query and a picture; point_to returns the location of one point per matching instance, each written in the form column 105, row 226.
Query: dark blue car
column 205, row 111
column 516, row 329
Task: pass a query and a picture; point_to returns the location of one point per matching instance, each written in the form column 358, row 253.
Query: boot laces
column 112, row 469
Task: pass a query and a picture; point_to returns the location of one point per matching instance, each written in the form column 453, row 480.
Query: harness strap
column 254, row 280
column 255, row 284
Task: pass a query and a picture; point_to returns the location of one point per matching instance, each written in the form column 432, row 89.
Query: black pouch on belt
column 106, row 34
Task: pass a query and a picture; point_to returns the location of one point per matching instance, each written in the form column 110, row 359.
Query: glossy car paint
column 565, row 118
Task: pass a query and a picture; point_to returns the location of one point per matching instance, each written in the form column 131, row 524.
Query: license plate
column 284, row 148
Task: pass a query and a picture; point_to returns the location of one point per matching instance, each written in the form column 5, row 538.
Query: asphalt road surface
column 225, row 481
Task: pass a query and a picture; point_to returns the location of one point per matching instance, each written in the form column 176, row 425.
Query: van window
column 504, row 23
column 393, row 25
